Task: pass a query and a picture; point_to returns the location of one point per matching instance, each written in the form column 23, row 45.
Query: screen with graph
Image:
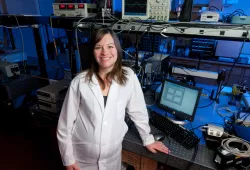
column 135, row 7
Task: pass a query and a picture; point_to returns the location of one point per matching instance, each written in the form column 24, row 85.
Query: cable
column 15, row 27
column 193, row 158
column 53, row 36
column 225, row 109
column 204, row 125
column 105, row 8
column 200, row 107
column 151, row 103
column 76, row 37
column 128, row 54
column 124, row 27
column 226, row 83
column 225, row 144
column 123, row 45
column 207, row 90
column 214, row 8
column 24, row 65
column 231, row 69
column 130, row 21
column 192, row 129
column 246, row 116
column 245, row 167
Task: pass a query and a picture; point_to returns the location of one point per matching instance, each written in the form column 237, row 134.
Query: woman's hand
column 157, row 146
column 72, row 167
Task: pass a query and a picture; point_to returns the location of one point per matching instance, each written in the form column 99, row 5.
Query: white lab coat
column 89, row 133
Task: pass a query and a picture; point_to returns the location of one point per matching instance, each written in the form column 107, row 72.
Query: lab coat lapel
column 96, row 90
column 113, row 93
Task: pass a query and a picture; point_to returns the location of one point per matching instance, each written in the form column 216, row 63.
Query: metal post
column 40, row 55
column 217, row 100
column 220, row 80
column 12, row 41
column 136, row 53
column 72, row 56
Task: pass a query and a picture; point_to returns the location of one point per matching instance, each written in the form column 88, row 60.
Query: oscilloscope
column 146, row 9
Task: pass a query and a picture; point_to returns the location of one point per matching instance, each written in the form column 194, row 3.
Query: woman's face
column 105, row 53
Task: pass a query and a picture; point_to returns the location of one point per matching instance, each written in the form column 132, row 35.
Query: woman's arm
column 137, row 111
column 66, row 122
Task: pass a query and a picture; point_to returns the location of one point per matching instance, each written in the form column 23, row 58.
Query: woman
column 91, row 126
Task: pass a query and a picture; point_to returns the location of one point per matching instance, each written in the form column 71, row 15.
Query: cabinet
column 138, row 162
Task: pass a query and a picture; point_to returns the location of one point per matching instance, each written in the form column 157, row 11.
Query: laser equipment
column 74, row 9
column 53, row 92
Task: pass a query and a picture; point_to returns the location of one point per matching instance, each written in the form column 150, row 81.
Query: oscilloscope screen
column 135, row 7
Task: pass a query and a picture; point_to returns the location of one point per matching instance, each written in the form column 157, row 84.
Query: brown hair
column 117, row 73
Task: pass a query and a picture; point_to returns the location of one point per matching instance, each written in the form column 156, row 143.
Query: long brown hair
column 117, row 73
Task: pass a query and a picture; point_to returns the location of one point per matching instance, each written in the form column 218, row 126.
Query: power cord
column 76, row 37
column 193, row 157
column 53, row 35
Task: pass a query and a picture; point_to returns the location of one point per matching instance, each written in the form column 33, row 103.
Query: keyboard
column 183, row 136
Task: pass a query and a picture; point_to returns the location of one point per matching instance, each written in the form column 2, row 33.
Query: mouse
column 159, row 136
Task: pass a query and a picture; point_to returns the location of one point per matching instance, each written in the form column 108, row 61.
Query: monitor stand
column 178, row 120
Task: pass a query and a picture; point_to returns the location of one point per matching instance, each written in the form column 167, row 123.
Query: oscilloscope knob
column 158, row 1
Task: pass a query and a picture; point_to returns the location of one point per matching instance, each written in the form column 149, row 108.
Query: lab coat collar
column 96, row 90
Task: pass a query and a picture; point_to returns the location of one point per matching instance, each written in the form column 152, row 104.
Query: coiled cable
column 225, row 144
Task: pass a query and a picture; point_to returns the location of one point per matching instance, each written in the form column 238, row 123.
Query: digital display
column 209, row 16
column 62, row 6
column 71, row 6
column 138, row 7
column 81, row 6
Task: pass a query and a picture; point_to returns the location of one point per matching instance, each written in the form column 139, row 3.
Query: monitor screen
column 135, row 9
column 229, row 49
column 179, row 99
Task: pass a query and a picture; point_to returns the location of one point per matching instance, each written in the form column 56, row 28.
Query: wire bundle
column 225, row 144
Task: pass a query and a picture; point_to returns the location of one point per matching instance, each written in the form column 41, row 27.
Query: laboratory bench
column 136, row 154
column 179, row 156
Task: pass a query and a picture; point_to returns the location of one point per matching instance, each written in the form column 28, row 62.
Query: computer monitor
column 135, row 9
column 179, row 99
column 228, row 49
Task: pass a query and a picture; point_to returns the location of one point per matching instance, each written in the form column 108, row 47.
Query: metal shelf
column 191, row 29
